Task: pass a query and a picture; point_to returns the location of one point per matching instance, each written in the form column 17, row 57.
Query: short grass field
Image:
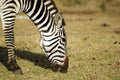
column 93, row 47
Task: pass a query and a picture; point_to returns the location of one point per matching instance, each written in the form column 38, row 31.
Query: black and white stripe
column 49, row 22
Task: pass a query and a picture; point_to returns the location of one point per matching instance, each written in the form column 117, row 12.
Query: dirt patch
column 117, row 31
column 105, row 25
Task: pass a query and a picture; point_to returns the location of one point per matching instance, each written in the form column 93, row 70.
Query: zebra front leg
column 8, row 19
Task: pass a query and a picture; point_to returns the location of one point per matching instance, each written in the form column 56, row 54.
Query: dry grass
column 93, row 47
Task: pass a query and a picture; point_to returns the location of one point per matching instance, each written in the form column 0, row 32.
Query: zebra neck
column 51, row 6
column 41, row 16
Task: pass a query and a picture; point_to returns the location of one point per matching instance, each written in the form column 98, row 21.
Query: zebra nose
column 64, row 68
column 59, row 69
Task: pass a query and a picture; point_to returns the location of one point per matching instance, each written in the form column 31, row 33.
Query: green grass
column 93, row 43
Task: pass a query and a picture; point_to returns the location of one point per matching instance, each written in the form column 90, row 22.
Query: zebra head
column 60, row 62
column 54, row 45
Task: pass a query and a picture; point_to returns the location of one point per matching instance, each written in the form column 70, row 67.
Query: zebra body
column 49, row 22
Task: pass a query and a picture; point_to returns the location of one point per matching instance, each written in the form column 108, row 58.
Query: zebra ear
column 59, row 21
column 63, row 21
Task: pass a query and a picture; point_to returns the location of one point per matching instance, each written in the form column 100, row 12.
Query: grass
column 72, row 2
column 93, row 47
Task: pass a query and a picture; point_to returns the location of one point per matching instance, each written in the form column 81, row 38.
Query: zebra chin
column 59, row 68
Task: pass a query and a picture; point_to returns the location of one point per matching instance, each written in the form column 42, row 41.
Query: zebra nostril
column 63, row 39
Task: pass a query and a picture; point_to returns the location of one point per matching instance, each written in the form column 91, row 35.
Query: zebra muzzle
column 62, row 69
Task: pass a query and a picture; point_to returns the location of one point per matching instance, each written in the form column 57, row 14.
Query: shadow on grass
column 37, row 59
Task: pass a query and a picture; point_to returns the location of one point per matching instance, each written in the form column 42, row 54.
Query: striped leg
column 8, row 19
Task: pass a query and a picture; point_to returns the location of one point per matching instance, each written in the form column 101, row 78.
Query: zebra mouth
column 59, row 69
column 62, row 69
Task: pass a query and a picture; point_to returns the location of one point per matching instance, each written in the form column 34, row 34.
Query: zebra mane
column 1, row 3
column 51, row 6
column 57, row 15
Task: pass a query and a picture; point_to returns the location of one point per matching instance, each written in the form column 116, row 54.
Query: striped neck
column 41, row 15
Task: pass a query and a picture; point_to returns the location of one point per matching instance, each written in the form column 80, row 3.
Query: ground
column 93, row 47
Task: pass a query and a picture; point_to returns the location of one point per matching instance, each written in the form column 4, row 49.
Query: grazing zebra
column 49, row 22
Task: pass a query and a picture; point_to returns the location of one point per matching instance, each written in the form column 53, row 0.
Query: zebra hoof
column 18, row 72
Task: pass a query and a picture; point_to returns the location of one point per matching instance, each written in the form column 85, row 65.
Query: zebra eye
column 63, row 39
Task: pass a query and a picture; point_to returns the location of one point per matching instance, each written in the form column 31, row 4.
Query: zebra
column 49, row 22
